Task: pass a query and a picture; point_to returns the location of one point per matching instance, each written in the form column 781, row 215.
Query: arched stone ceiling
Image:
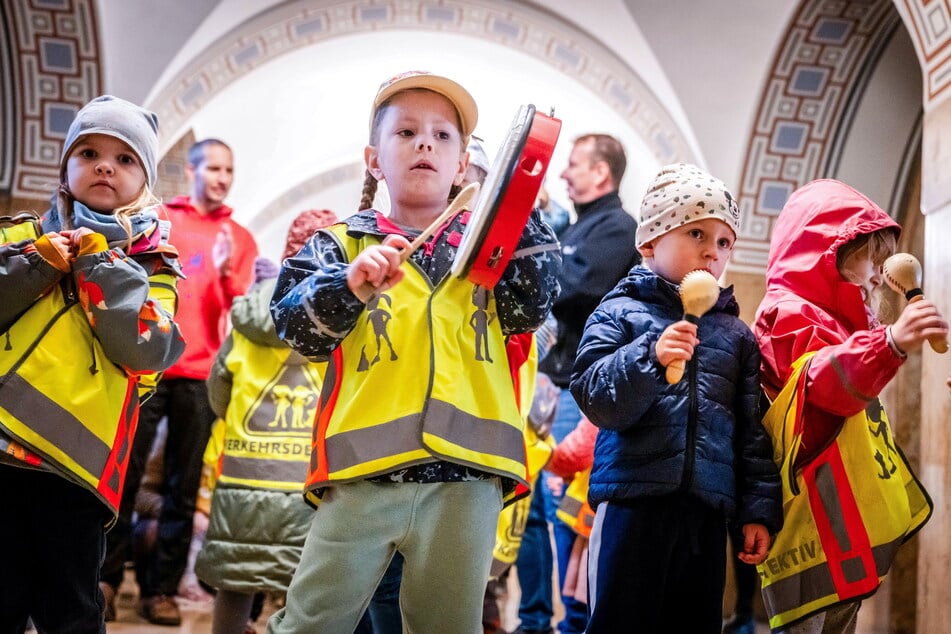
column 291, row 25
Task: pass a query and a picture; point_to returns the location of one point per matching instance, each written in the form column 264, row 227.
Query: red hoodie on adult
column 810, row 307
column 204, row 296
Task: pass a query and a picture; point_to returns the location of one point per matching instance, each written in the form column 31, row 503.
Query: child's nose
column 104, row 167
column 424, row 144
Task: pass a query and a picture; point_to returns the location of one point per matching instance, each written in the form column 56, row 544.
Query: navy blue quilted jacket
column 702, row 435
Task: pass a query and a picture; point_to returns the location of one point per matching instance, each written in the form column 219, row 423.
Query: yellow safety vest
column 423, row 375
column 24, row 225
column 574, row 509
column 846, row 512
column 78, row 411
column 511, row 525
column 270, row 417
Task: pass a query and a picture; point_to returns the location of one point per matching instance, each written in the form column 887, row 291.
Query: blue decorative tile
column 506, row 28
column 566, row 55
column 58, row 116
column 773, row 196
column 809, row 81
column 248, row 54
column 832, row 31
column 309, row 27
column 374, row 14
column 789, row 137
column 193, row 93
column 439, row 14
column 58, row 55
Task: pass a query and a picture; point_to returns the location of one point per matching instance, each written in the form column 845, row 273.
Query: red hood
column 817, row 219
column 183, row 203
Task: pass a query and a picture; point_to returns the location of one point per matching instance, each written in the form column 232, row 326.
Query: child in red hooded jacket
column 818, row 322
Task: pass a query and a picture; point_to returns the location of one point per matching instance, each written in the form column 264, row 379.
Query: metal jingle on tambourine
column 508, row 196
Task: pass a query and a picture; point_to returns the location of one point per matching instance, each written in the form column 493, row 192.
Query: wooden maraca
column 699, row 291
column 902, row 273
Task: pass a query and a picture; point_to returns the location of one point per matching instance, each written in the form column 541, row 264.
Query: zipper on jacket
column 691, row 449
column 69, row 298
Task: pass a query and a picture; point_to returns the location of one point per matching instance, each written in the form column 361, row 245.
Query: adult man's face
column 584, row 176
column 213, row 177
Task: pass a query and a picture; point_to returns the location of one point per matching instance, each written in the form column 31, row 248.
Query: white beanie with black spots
column 682, row 193
column 123, row 120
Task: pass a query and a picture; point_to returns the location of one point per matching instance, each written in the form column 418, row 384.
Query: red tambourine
column 507, row 199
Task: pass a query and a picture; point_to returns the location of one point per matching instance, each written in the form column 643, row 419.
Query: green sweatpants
column 445, row 532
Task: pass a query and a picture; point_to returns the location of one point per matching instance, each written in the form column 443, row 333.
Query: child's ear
column 646, row 250
column 371, row 156
column 463, row 167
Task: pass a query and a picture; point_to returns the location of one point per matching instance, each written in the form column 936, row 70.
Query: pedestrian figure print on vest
column 879, row 430
column 296, row 401
column 287, row 402
column 480, row 321
column 378, row 318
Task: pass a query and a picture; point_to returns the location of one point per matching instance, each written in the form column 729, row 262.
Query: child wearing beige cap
column 419, row 441
column 674, row 462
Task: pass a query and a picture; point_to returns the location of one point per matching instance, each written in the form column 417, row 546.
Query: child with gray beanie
column 674, row 462
column 86, row 308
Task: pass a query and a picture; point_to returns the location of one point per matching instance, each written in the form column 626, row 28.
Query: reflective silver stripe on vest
column 485, row 436
column 55, row 424
column 816, row 582
column 570, row 506
column 359, row 446
column 269, row 469
column 829, row 495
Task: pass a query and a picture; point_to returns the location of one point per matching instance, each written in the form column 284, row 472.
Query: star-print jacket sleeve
column 315, row 328
column 529, row 286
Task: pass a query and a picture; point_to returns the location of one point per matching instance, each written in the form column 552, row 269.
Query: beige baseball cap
column 459, row 97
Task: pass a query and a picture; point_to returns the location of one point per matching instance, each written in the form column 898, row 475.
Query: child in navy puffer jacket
column 674, row 462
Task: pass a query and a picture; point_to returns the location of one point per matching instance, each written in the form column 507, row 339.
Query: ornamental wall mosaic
column 52, row 70
column 929, row 22
column 819, row 67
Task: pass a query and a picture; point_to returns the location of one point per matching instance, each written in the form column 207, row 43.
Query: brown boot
column 160, row 610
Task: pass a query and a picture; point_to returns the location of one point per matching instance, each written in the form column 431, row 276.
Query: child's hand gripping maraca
column 902, row 273
column 698, row 292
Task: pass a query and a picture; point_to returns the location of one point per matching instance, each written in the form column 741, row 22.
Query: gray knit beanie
column 477, row 155
column 115, row 117
column 683, row 193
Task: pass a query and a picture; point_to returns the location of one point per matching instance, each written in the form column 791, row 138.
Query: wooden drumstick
column 463, row 198
column 902, row 273
column 699, row 291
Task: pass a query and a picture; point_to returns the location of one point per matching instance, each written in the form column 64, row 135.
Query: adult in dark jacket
column 597, row 251
column 674, row 462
